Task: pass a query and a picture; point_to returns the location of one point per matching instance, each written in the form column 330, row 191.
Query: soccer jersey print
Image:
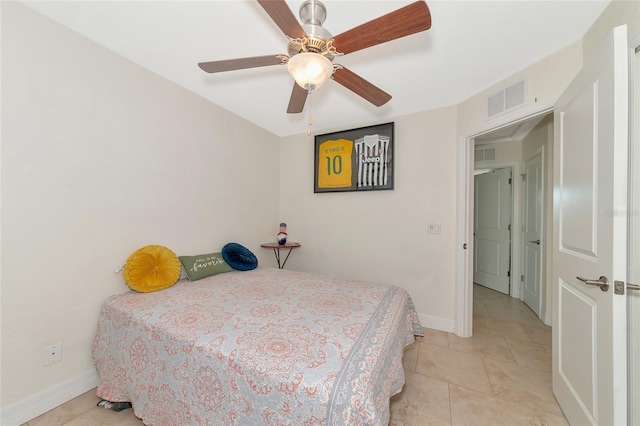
column 372, row 157
column 334, row 163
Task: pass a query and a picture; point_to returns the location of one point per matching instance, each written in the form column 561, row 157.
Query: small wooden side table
column 276, row 250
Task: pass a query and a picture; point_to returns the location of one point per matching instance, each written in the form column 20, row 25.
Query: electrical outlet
column 52, row 354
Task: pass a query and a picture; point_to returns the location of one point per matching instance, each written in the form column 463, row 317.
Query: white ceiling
column 470, row 46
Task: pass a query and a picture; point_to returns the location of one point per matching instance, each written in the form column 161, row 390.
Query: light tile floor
column 500, row 376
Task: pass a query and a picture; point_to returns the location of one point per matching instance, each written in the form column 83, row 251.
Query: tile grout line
column 450, row 404
column 486, row 372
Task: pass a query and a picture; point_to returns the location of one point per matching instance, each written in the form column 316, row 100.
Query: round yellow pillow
column 151, row 268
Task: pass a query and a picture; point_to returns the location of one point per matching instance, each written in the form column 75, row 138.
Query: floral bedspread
column 262, row 347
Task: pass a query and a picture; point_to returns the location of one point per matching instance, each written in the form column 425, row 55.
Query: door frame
column 633, row 265
column 466, row 166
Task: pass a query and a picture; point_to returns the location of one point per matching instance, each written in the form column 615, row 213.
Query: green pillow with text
column 204, row 265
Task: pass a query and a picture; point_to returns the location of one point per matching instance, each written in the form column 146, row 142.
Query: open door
column 590, row 239
column 492, row 230
column 532, row 232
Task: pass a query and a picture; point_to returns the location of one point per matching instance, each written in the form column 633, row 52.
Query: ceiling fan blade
column 297, row 100
column 360, row 86
column 405, row 21
column 242, row 63
column 283, row 17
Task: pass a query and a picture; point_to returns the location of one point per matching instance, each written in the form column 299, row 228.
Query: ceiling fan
column 312, row 48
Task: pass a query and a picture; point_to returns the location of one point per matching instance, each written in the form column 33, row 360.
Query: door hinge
column 509, row 227
column 508, row 273
column 509, row 181
column 464, row 246
column 521, row 278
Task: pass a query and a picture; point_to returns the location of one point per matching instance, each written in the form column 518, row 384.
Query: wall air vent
column 486, row 154
column 495, row 104
column 506, row 99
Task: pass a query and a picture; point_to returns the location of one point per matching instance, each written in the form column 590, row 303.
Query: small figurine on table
column 281, row 238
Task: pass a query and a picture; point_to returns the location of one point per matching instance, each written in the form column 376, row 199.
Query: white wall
column 504, row 150
column 546, row 79
column 99, row 158
column 382, row 236
column 619, row 12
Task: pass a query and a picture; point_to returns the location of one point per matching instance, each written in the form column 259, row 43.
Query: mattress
column 261, row 347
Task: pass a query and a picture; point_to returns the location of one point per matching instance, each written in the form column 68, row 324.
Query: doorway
column 494, row 140
column 526, row 143
column 501, row 136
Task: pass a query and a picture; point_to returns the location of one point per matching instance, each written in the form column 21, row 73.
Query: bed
column 260, row 347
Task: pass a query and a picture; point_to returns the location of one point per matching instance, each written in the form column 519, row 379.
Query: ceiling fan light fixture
column 310, row 70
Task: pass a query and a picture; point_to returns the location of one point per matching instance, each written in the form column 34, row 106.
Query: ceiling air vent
column 506, row 99
column 486, row 154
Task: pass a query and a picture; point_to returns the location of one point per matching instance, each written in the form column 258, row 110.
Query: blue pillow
column 239, row 257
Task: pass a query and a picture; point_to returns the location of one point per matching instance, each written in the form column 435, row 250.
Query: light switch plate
column 434, row 228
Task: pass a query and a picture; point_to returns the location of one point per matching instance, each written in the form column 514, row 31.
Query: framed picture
column 354, row 160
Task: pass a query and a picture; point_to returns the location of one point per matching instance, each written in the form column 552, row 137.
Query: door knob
column 535, row 242
column 602, row 282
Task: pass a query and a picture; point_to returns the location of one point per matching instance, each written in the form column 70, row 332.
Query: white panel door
column 590, row 198
column 492, row 236
column 532, row 232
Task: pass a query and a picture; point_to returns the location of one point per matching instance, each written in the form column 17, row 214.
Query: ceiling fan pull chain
column 310, row 112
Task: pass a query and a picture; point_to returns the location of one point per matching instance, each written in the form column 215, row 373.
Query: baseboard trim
column 48, row 399
column 437, row 323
